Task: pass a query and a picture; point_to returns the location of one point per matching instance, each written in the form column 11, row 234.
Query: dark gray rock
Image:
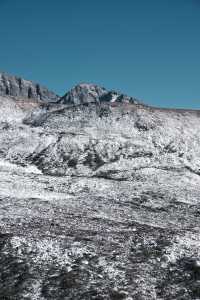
column 85, row 93
column 82, row 94
column 21, row 88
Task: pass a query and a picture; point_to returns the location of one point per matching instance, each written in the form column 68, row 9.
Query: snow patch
column 114, row 98
column 30, row 169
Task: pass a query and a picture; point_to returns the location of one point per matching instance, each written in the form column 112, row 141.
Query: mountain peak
column 84, row 93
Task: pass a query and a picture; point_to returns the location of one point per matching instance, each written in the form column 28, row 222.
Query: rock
column 82, row 94
column 21, row 88
column 90, row 93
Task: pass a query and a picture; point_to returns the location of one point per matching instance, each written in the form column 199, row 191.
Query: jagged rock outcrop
column 21, row 88
column 83, row 93
column 90, row 93
column 99, row 201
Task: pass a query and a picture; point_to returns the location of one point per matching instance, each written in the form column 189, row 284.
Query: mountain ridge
column 98, row 199
column 81, row 93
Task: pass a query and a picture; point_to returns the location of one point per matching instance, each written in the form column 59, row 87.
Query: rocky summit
column 99, row 196
column 91, row 93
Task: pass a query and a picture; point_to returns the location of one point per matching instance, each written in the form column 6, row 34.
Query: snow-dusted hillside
column 98, row 201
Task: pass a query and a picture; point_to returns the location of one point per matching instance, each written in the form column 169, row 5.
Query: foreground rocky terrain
column 99, row 198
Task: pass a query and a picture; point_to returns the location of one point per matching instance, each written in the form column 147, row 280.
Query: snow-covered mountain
column 98, row 201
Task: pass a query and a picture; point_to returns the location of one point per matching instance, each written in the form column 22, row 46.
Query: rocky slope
column 98, row 200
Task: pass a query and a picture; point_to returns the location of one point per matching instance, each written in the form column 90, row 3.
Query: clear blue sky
column 149, row 49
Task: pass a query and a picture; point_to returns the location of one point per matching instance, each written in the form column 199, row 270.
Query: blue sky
column 149, row 49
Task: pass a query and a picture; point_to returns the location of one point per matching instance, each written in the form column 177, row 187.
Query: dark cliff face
column 21, row 88
column 98, row 201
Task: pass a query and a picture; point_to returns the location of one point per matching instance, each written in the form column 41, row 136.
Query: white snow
column 114, row 97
